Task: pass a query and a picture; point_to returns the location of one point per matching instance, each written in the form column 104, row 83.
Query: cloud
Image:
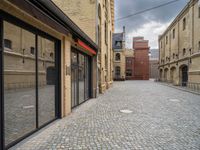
column 156, row 18
column 150, row 31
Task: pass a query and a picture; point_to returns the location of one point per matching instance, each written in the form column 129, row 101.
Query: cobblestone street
column 162, row 118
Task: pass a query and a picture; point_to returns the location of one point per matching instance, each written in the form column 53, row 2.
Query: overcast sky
column 149, row 24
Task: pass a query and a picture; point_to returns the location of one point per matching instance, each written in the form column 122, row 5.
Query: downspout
column 178, row 72
column 97, row 55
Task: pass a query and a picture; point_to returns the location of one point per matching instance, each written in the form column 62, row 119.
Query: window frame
column 184, row 23
column 119, row 56
column 198, row 11
column 174, row 33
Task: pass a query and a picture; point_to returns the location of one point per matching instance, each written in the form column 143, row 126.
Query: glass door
column 81, row 75
column 87, row 77
column 74, row 79
column 80, row 78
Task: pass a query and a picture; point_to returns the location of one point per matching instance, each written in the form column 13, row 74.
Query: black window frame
column 76, row 51
column 199, row 11
column 32, row 50
column 9, row 42
column 199, row 46
column 4, row 16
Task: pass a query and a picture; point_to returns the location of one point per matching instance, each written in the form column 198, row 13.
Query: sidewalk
column 180, row 88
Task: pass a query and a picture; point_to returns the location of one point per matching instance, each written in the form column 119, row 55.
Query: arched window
column 117, row 57
column 117, row 71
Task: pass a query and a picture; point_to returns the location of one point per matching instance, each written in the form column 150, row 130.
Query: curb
column 179, row 88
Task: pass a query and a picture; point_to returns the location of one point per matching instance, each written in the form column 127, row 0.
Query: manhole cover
column 174, row 100
column 126, row 111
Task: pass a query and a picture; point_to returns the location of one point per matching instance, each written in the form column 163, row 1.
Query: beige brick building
column 179, row 47
column 96, row 19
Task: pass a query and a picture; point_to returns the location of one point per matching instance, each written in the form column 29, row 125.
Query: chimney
column 124, row 36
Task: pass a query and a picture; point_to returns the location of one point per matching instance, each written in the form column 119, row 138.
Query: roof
column 48, row 8
column 117, row 37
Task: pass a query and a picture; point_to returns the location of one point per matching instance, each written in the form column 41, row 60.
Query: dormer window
column 118, row 43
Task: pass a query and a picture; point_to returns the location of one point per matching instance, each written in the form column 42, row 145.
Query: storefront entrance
column 29, row 81
column 80, row 75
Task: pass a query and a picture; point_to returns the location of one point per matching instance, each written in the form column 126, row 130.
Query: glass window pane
column 46, row 80
column 81, row 78
column 19, row 82
column 86, row 78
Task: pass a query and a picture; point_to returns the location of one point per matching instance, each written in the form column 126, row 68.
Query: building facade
column 129, row 62
column 141, row 58
column 154, row 64
column 119, row 55
column 47, row 67
column 179, row 47
column 96, row 19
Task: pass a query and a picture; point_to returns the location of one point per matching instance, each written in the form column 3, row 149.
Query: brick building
column 130, row 64
column 141, row 59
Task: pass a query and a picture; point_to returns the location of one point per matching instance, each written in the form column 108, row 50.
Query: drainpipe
column 97, row 55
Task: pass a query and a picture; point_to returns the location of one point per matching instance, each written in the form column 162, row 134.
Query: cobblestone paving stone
column 163, row 118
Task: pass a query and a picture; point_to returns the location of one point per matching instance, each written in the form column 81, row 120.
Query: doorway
column 184, row 71
column 80, row 78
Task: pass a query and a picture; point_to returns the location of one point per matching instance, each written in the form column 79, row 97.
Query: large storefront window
column 80, row 78
column 46, row 80
column 30, row 81
column 19, row 83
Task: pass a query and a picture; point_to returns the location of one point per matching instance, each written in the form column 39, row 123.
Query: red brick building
column 137, row 67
